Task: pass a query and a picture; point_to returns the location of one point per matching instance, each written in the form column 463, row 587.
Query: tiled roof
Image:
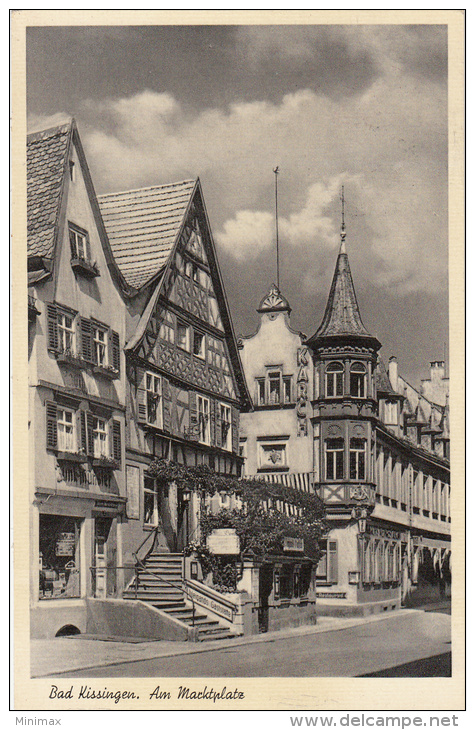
column 381, row 379
column 142, row 226
column 342, row 314
column 46, row 158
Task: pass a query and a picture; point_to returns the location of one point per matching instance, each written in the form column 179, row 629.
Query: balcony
column 106, row 371
column 68, row 357
column 85, row 268
column 106, row 462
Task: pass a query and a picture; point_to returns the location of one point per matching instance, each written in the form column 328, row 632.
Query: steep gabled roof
column 342, row 315
column 143, row 225
column 381, row 379
column 47, row 156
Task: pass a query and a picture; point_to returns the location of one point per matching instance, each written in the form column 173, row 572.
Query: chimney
column 393, row 373
column 437, row 371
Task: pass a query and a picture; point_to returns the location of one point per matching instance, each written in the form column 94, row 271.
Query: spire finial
column 343, row 230
column 276, row 172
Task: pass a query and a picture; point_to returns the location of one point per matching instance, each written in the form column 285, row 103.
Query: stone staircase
column 161, row 586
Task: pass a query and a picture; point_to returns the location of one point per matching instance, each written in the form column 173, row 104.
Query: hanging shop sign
column 293, row 544
column 65, row 544
column 223, row 542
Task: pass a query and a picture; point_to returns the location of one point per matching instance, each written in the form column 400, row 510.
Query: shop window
column 357, row 458
column 153, row 388
column 225, row 420
column 286, row 581
column 357, row 380
column 59, row 557
column 203, row 420
column 334, row 458
column 150, row 502
column 327, row 568
column 183, row 336
column 334, row 379
column 366, row 560
column 199, row 344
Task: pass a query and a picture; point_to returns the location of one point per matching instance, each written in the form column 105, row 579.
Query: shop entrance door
column 101, row 533
column 183, row 528
column 266, row 575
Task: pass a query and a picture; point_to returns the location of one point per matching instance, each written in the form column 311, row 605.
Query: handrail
column 211, row 593
column 153, row 532
column 156, row 575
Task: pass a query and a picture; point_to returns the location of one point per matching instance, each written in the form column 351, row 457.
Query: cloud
column 38, row 122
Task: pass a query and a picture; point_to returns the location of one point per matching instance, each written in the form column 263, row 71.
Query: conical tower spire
column 342, row 314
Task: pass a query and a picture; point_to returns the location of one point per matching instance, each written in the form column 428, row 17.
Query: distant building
column 329, row 417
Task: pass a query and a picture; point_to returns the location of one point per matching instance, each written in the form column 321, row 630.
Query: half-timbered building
column 185, row 384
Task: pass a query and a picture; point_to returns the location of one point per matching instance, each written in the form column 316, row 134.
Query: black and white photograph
column 242, row 370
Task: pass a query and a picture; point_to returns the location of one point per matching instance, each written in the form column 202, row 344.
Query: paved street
column 409, row 644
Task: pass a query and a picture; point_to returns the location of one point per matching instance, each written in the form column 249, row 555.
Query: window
column 225, row 414
column 357, row 458
column 203, row 420
column 334, row 379
column 99, row 340
column 79, row 241
column 59, row 556
column 357, row 380
column 261, row 391
column 153, row 387
column 150, row 502
column 65, row 419
column 199, row 344
column 274, row 388
column 66, row 333
column 183, row 336
column 100, row 437
column 287, row 381
column 335, row 449
column 72, row 171
column 327, row 568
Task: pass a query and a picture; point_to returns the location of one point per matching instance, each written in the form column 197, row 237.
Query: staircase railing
column 140, row 565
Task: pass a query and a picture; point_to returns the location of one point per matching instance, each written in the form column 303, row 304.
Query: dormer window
column 334, row 379
column 357, row 380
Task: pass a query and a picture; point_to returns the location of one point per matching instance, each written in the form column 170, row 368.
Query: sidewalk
column 59, row 655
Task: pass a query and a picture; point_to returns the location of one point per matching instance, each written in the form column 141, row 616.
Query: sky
column 330, row 105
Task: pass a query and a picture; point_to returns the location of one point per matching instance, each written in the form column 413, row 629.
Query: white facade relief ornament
column 359, row 493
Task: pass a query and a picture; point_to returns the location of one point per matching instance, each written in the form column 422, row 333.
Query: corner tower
column 344, row 412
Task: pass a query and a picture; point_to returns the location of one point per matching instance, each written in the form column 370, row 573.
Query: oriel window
column 357, row 458
column 335, row 452
column 357, row 380
column 334, row 379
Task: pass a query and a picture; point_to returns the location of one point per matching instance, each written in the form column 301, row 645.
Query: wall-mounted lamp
column 186, row 494
column 360, row 514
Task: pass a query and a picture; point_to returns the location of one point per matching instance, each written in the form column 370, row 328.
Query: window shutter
column 82, row 431
column 88, row 248
column 332, row 561
column 114, row 350
column 51, row 426
column 90, row 434
column 86, row 339
column 141, row 396
column 166, row 405
column 212, row 421
column 52, row 320
column 235, row 429
column 193, row 429
column 116, row 441
column 219, row 440
column 72, row 241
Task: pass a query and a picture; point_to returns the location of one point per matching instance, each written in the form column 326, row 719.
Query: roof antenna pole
column 276, row 172
column 343, row 231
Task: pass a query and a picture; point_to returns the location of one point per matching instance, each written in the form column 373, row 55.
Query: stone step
column 218, row 634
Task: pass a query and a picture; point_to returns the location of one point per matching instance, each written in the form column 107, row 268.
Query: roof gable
column 143, row 225
column 47, row 156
